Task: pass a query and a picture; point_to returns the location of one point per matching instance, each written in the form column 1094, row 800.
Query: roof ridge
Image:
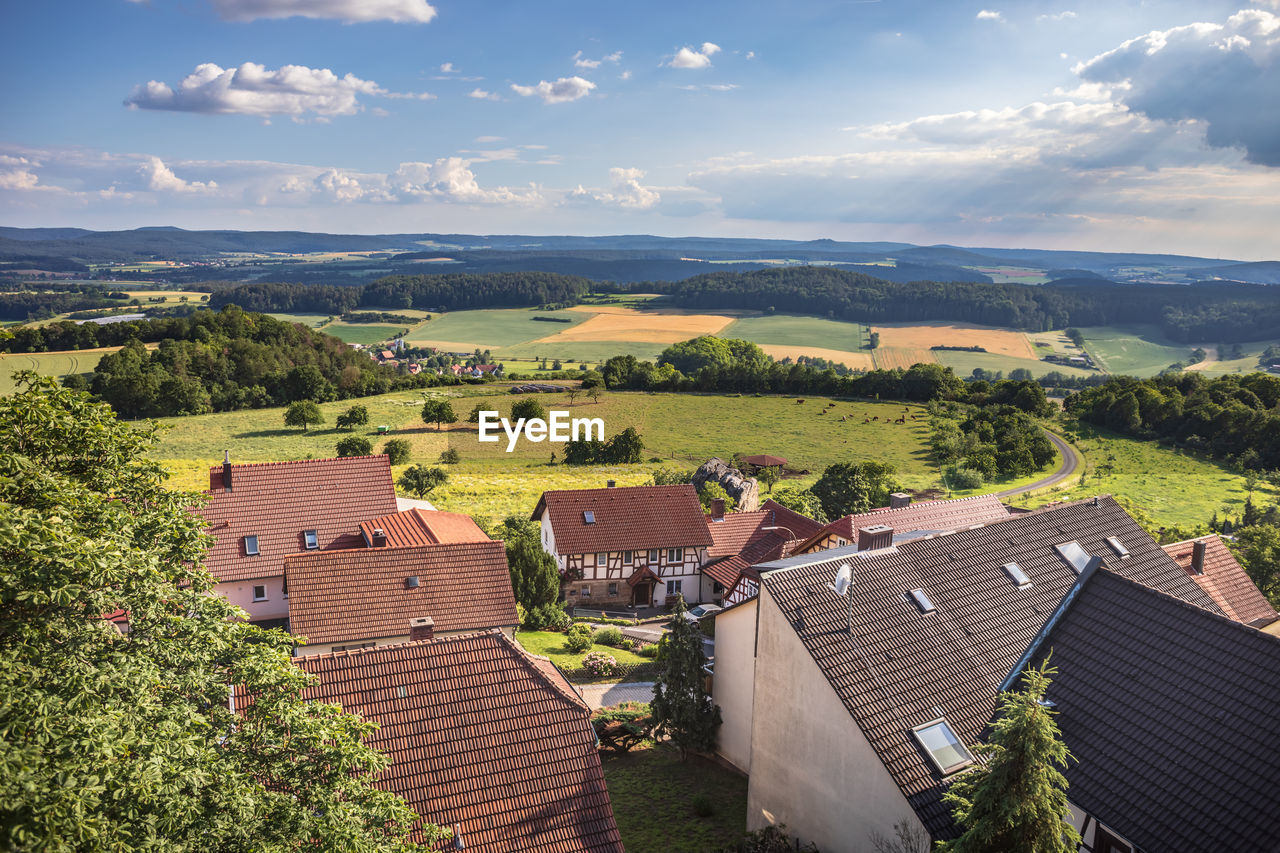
column 1194, row 607
column 218, row 466
column 1194, row 539
column 470, row 635
column 388, row 549
column 527, row 659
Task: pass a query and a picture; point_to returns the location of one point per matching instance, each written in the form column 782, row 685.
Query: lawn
column 596, row 352
column 309, row 320
column 550, row 644
column 653, row 790
column 1172, row 487
column 1133, row 350
column 492, row 328
column 49, row 364
column 793, row 330
column 362, row 333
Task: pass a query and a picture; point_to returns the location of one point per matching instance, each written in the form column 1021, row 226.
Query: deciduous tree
column 420, row 480
column 303, row 413
column 438, row 412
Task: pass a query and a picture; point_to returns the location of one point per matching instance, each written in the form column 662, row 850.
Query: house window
column 311, row 539
column 627, row 557
column 1121, row 551
column 1076, row 557
column 259, row 593
column 653, row 555
column 675, row 555
column 602, row 559
column 840, row 543
column 1105, row 842
column 944, row 748
column 613, row 589
column 673, row 587
column 1016, row 574
column 921, row 599
column 586, row 592
column 251, row 546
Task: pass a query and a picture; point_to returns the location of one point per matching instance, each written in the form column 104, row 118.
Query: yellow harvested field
column 926, row 335
column 888, row 358
column 853, row 360
column 625, row 324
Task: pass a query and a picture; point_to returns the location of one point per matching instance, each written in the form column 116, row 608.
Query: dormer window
column 251, row 546
column 311, row 539
column 944, row 748
column 1076, row 556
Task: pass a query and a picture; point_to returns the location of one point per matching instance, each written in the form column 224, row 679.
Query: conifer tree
column 681, row 709
column 1017, row 800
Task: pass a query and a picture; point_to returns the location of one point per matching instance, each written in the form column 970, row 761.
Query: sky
column 1111, row 126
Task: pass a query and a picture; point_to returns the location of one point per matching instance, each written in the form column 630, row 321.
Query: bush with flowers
column 599, row 663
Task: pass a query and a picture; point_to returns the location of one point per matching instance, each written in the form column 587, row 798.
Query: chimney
column 226, row 470
column 874, row 537
column 458, row 842
column 379, row 539
column 422, row 628
column 897, row 500
column 1197, row 556
column 717, row 509
column 611, row 484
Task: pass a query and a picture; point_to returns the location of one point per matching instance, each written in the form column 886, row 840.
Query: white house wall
column 811, row 767
column 240, row 593
column 733, row 687
column 615, row 569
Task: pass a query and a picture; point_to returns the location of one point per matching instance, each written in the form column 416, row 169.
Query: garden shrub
column 609, row 637
column 600, row 664
column 964, row 478
column 578, row 638
column 648, row 650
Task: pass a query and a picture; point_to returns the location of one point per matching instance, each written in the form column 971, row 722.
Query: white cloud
column 751, row 54
column 451, row 179
column 446, row 68
column 989, row 15
column 18, row 179
column 625, row 191
column 482, row 95
column 488, row 139
column 350, row 11
column 582, row 62
column 687, row 57
column 1057, row 17
column 339, row 186
column 160, row 178
column 562, row 90
column 625, row 75
column 1225, row 75
column 252, row 89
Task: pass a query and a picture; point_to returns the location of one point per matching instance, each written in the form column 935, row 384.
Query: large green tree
column 1258, row 550
column 125, row 741
column 421, row 480
column 1017, row 800
column 853, row 487
column 303, row 413
column 438, row 412
column 535, row 580
column 681, row 708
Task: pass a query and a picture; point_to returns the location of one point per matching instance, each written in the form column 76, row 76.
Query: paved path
column 604, row 695
column 1070, row 462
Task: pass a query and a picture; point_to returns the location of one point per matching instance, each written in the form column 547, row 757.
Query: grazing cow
column 866, row 420
column 876, row 418
column 799, row 401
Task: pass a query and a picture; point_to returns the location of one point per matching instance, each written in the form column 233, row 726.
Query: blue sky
column 1149, row 126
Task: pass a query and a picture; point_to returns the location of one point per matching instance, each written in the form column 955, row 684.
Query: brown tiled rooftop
column 943, row 515
column 900, row 665
column 1173, row 716
column 424, row 527
column 628, row 518
column 741, row 539
column 480, row 736
column 1225, row 580
column 278, row 501
column 363, row 593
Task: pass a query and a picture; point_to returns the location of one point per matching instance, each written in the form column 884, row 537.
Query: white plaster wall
column 811, row 767
column 733, row 687
column 240, row 593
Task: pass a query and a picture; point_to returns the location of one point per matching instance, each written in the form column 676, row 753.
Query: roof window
column 944, row 748
column 922, row 600
column 1120, row 550
column 1017, row 575
column 1076, row 557
column 251, row 546
column 589, row 516
column 311, row 539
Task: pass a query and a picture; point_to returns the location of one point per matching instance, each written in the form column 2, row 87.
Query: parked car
column 693, row 614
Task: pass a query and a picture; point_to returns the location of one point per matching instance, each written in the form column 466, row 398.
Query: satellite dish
column 844, row 580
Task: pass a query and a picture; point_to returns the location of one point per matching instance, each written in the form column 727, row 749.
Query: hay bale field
column 853, row 360
column 926, row 335
column 887, row 358
column 626, row 324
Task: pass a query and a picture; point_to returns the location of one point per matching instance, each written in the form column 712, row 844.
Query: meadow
column 50, row 363
column 362, row 333
column 1133, row 350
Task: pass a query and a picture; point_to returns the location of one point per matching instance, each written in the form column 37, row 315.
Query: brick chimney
column 226, row 470
column 874, row 537
column 379, row 538
column 1198, row 550
column 422, row 628
column 717, row 509
column 897, row 500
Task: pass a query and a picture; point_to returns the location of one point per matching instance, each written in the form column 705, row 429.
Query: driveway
column 604, row 695
column 1070, row 461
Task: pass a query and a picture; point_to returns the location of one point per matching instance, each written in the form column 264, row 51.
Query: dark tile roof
column 360, row 594
column 481, row 737
column 727, row 570
column 1225, row 580
column 801, row 526
column 1173, row 715
column 900, row 665
column 629, row 518
column 277, row 501
column 424, row 527
column 944, row 515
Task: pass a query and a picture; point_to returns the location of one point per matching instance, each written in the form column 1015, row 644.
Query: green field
column 362, row 333
column 495, row 327
column 1171, row 487
column 48, row 363
column 1247, row 363
column 1133, row 350
column 550, row 644
column 963, row 364
column 797, row 330
column 595, row 352
column 310, row 320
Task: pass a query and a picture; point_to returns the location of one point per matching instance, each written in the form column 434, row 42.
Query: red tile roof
column 945, row 515
column 424, row 527
column 731, row 533
column 741, row 539
column 362, row 594
column 277, row 501
column 1225, row 580
column 478, row 735
column 802, row 526
column 631, row 518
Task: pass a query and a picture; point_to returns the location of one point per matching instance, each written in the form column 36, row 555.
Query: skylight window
column 588, row 516
column 1076, row 557
column 944, row 748
column 1120, row 550
column 251, row 546
column 922, row 600
column 311, row 538
column 1016, row 574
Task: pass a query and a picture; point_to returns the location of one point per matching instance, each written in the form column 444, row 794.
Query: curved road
column 1070, row 461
